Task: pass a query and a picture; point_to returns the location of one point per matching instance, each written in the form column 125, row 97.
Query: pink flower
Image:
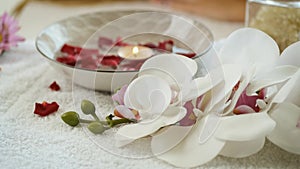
column 119, row 95
column 8, row 29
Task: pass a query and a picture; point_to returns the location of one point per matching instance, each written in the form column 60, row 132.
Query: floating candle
column 135, row 52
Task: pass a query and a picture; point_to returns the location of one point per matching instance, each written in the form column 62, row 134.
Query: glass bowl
column 133, row 26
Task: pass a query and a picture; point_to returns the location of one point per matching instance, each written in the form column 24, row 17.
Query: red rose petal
column 54, row 86
column 44, row 109
column 119, row 42
column 149, row 45
column 104, row 41
column 166, row 45
column 72, row 50
column 88, row 53
column 189, row 55
column 69, row 60
column 111, row 60
column 89, row 62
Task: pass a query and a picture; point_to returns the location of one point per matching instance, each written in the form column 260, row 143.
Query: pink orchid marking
column 8, row 29
column 249, row 104
column 190, row 117
column 119, row 95
column 121, row 110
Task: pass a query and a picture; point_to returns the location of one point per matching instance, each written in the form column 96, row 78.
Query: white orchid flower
column 165, row 82
column 286, row 113
column 252, row 53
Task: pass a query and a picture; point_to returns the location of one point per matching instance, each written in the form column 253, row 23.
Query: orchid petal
column 243, row 109
column 240, row 149
column 149, row 95
column 189, row 152
column 286, row 89
column 249, row 47
column 286, row 134
column 210, row 123
column 177, row 67
column 169, row 138
column 197, row 87
column 125, row 112
column 231, row 76
column 119, row 95
column 131, row 132
column 290, row 56
column 242, row 86
column 278, row 75
column 245, row 127
column 294, row 97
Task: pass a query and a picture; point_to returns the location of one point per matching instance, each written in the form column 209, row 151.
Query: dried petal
column 69, row 49
column 149, row 45
column 111, row 60
column 189, row 55
column 104, row 41
column 119, row 42
column 69, row 60
column 166, row 45
column 44, row 109
column 54, row 86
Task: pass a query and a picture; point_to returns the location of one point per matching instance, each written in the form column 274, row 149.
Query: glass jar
column 278, row 18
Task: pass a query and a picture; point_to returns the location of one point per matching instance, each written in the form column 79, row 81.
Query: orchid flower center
column 1, row 38
column 250, row 104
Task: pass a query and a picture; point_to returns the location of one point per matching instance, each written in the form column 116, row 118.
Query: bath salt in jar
column 278, row 18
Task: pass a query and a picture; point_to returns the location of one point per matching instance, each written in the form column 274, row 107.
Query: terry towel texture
column 30, row 141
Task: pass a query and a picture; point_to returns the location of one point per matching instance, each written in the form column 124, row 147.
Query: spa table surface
column 29, row 141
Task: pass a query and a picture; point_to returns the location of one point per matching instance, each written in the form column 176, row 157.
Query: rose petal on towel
column 54, row 86
column 44, row 109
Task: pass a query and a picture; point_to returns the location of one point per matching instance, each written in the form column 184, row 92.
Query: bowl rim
column 37, row 39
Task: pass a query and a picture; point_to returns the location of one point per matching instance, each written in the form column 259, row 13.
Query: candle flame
column 135, row 50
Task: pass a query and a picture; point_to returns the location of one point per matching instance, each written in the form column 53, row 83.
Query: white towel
column 30, row 141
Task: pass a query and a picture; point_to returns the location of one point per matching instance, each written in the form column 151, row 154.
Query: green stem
column 112, row 123
column 95, row 116
column 90, row 121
